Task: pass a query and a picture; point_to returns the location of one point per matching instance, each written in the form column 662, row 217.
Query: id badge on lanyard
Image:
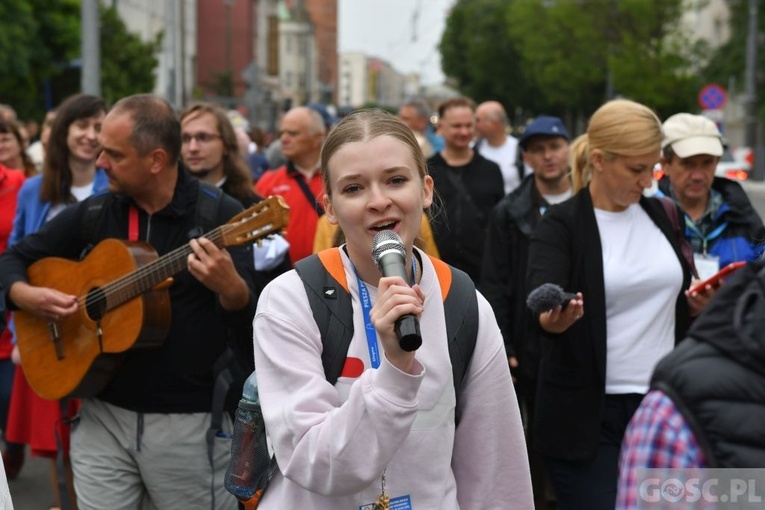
column 706, row 264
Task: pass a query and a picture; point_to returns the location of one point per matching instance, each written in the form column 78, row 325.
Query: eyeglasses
column 199, row 137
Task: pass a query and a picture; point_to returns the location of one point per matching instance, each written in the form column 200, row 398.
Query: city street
column 31, row 490
column 756, row 192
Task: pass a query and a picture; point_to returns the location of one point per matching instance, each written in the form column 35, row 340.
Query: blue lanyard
column 694, row 230
column 369, row 328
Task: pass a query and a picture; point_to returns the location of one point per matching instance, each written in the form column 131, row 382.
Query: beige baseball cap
column 690, row 135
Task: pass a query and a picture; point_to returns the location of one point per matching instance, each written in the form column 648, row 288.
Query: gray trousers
column 127, row 460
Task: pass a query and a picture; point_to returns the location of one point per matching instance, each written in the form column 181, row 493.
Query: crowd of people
column 518, row 407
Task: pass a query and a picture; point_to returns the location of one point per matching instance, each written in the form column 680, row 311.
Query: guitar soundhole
column 95, row 304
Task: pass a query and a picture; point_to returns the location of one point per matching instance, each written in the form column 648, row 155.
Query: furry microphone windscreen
column 547, row 297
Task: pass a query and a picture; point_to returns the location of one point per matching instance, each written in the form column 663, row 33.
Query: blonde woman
column 388, row 424
column 620, row 253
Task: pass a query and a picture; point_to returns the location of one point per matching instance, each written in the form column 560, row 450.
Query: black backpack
column 324, row 279
column 323, row 276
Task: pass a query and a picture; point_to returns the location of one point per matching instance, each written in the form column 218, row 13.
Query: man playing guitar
column 142, row 437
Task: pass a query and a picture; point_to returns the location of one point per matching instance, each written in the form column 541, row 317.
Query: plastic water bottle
column 250, row 470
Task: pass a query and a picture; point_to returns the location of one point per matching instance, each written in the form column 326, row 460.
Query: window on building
column 272, row 46
column 288, row 79
column 719, row 28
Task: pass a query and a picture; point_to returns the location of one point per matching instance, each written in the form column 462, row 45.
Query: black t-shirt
column 467, row 194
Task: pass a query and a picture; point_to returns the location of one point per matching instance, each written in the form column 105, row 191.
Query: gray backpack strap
column 331, row 307
column 93, row 218
column 461, row 312
column 206, row 211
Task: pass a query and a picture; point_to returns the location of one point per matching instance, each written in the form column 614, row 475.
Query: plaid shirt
column 657, row 437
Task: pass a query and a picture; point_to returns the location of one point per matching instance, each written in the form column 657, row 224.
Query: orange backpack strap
column 444, row 274
column 333, row 263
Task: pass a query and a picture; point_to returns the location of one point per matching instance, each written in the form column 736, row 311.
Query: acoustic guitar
column 123, row 303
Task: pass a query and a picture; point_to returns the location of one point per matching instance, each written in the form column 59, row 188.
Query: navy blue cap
column 546, row 126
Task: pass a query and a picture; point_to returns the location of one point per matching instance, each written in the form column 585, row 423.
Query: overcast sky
column 389, row 29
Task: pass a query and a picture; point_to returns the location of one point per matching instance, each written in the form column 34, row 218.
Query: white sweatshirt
column 332, row 444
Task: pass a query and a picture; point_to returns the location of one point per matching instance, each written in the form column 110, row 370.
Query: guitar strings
column 170, row 259
column 173, row 261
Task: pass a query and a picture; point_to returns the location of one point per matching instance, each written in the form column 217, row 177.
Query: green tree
column 476, row 51
column 727, row 64
column 656, row 60
column 562, row 52
column 40, row 40
column 573, row 47
column 557, row 56
column 127, row 63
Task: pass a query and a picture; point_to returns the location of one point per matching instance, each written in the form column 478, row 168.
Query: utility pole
column 750, row 101
column 90, row 75
column 182, row 59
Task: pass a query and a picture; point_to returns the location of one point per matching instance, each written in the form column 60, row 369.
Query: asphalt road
column 756, row 192
column 32, row 489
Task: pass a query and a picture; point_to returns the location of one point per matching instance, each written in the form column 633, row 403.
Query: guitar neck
column 152, row 274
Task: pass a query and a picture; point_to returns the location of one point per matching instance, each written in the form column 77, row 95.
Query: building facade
column 176, row 19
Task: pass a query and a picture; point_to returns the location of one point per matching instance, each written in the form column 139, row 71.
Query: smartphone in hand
column 716, row 278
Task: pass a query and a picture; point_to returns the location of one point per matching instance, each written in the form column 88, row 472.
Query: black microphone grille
column 384, row 241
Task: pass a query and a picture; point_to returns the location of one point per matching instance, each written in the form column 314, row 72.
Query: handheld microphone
column 390, row 257
column 547, row 297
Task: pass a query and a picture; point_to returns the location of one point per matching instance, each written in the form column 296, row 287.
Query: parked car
column 732, row 168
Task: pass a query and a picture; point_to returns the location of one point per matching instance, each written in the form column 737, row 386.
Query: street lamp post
column 90, row 79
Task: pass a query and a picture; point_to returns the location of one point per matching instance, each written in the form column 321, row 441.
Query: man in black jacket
column 468, row 185
column 143, row 436
column 545, row 146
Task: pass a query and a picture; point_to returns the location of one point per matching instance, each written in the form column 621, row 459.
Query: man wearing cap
column 545, row 149
column 720, row 221
column 496, row 145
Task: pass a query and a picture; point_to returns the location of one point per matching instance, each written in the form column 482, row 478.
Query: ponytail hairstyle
column 581, row 172
column 618, row 128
